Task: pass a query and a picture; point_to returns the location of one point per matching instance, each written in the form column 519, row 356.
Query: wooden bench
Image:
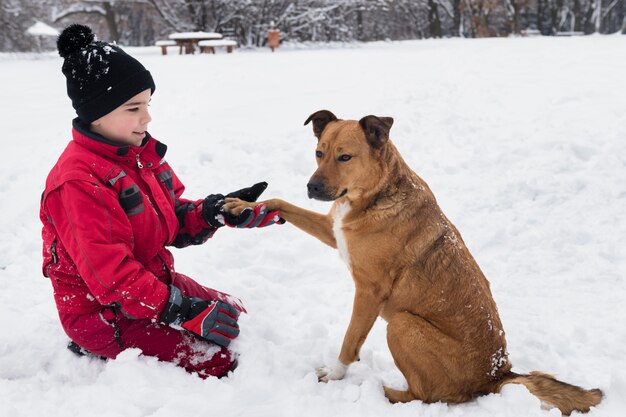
column 209, row 46
column 164, row 45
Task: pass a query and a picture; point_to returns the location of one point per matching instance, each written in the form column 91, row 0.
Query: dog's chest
column 339, row 214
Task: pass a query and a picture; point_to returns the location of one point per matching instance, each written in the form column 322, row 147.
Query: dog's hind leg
column 429, row 360
column 397, row 396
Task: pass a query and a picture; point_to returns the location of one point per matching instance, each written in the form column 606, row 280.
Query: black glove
column 214, row 214
column 249, row 194
column 211, row 320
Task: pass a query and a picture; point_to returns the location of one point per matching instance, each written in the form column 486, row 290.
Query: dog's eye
column 344, row 158
column 319, row 154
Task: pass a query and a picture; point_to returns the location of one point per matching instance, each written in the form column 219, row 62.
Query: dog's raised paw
column 235, row 206
column 331, row 373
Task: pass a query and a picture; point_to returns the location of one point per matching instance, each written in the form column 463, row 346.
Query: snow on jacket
column 108, row 211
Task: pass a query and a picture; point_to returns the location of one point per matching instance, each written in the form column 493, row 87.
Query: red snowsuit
column 108, row 211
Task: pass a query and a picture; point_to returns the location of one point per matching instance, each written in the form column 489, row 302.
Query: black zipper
column 55, row 258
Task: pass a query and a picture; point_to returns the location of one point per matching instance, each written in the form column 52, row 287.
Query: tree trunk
column 540, row 16
column 457, row 17
column 554, row 16
column 577, row 24
column 589, row 27
column 434, row 22
column 512, row 11
column 359, row 25
column 109, row 16
column 516, row 26
column 598, row 11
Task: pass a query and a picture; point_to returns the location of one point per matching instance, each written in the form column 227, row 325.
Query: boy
column 111, row 206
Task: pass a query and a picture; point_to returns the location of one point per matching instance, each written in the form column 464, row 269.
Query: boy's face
column 128, row 123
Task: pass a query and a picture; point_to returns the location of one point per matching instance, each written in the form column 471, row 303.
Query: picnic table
column 209, row 46
column 188, row 41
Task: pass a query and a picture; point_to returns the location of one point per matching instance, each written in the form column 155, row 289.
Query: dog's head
column 348, row 154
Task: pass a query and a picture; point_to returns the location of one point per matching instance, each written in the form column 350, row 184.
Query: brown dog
column 411, row 267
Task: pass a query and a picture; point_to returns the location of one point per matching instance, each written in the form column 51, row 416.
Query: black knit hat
column 100, row 76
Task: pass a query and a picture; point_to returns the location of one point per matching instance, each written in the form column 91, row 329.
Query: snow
column 521, row 139
column 195, row 35
column 42, row 29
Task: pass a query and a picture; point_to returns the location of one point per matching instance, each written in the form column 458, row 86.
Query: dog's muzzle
column 318, row 191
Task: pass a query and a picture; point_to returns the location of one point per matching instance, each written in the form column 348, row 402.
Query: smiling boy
column 128, row 123
column 110, row 207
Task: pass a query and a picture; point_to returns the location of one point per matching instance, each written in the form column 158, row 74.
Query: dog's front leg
column 364, row 312
column 317, row 225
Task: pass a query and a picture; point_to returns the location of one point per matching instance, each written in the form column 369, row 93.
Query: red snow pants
column 109, row 332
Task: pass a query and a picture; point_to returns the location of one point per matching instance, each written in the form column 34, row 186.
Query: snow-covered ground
column 522, row 140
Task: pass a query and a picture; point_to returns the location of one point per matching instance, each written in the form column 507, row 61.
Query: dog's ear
column 320, row 119
column 376, row 130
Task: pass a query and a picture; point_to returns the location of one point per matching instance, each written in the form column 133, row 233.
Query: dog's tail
column 564, row 396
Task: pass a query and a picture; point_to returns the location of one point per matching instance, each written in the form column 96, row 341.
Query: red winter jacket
column 108, row 211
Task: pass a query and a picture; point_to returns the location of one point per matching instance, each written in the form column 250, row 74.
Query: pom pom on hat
column 100, row 76
column 74, row 38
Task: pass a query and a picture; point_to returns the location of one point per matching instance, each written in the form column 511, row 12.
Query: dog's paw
column 331, row 373
column 235, row 206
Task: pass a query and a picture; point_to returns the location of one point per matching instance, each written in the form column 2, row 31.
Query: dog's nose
column 318, row 191
column 315, row 187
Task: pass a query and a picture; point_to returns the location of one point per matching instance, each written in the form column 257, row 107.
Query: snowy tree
column 514, row 10
column 121, row 18
column 141, row 22
column 484, row 18
column 16, row 16
column 103, row 9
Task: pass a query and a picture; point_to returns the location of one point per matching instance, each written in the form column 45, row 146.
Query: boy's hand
column 250, row 193
column 211, row 320
column 216, row 213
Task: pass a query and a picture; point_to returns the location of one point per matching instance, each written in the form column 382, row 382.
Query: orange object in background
column 273, row 37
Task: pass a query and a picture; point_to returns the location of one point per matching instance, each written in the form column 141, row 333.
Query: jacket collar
column 151, row 150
